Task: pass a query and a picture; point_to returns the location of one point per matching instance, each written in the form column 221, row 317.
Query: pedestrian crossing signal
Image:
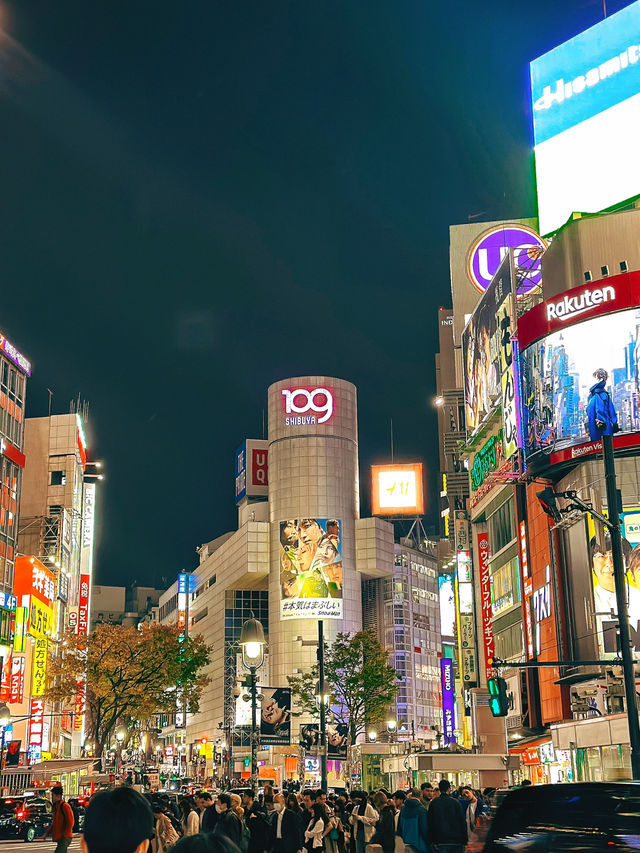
column 498, row 702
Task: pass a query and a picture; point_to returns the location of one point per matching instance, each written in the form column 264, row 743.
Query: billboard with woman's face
column 311, row 568
column 275, row 716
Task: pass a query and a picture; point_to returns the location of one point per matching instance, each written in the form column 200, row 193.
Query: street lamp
column 252, row 643
column 391, row 729
column 373, row 736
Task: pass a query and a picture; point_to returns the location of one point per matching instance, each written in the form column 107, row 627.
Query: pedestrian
column 447, row 827
column 285, row 833
column 117, row 820
column 208, row 814
column 315, row 830
column 363, row 820
column 413, row 825
column 165, row 835
column 473, row 807
column 228, row 823
column 61, row 828
column 426, row 794
column 398, row 799
column 190, row 818
column 255, row 819
column 385, row 834
column 205, row 842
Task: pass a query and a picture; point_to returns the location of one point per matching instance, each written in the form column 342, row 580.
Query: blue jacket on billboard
column 601, row 414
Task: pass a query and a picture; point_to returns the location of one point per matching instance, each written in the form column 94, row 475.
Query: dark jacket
column 385, row 834
column 413, row 825
column 209, row 819
column 446, row 821
column 259, row 828
column 600, row 408
column 292, row 836
column 228, row 824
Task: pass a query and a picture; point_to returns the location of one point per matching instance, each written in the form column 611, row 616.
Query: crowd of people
column 426, row 820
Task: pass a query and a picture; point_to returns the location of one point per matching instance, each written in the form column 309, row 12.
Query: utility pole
column 613, row 504
column 323, row 711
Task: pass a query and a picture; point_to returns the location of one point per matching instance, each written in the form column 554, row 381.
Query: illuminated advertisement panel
column 489, row 366
column 252, row 475
column 586, row 120
column 34, row 586
column 580, row 379
column 275, row 715
column 311, row 568
column 488, row 639
column 397, row 489
column 447, row 605
column 448, row 700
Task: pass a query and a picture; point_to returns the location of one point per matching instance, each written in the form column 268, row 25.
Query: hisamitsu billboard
column 586, row 120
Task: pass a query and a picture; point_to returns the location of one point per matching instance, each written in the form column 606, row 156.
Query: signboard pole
column 613, row 503
column 323, row 722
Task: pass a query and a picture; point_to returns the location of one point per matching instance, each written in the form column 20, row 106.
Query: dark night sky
column 199, row 198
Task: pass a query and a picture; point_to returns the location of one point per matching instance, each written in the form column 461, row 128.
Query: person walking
column 385, row 834
column 228, row 823
column 413, row 825
column 190, row 819
column 164, row 835
column 285, row 834
column 315, row 830
column 119, row 819
column 207, row 811
column 363, row 820
column 447, row 827
column 61, row 828
column 473, row 807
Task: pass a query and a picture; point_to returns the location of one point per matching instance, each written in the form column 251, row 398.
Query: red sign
column 590, row 448
column 31, row 577
column 83, row 605
column 168, row 752
column 5, row 683
column 530, row 756
column 594, row 299
column 527, row 589
column 259, row 472
column 488, row 640
column 36, row 722
column 78, row 708
column 17, row 679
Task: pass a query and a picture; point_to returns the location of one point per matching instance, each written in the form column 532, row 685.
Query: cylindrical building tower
column 313, row 485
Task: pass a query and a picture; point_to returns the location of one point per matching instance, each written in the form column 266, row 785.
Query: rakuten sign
column 299, row 402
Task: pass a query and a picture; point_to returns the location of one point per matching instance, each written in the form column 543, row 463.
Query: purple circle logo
column 486, row 254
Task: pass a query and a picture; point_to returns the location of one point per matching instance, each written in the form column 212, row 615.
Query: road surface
column 47, row 846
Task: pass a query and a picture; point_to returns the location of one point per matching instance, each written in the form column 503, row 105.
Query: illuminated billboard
column 586, row 120
column 397, row 489
column 275, row 716
column 489, row 362
column 578, row 375
column 252, row 478
column 492, row 246
column 311, row 568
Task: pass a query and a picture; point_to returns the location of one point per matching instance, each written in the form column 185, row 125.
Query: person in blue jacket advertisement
column 601, row 414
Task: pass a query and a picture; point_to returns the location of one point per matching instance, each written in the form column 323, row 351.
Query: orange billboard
column 397, row 489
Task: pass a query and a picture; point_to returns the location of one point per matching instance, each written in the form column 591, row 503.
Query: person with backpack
column 413, row 825
column 228, row 824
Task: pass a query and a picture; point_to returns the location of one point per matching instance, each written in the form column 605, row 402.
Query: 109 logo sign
column 299, row 402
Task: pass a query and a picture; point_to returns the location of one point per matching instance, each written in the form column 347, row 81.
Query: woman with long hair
column 189, row 817
column 314, row 832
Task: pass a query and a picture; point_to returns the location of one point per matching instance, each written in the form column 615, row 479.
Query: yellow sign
column 40, row 621
column 20, row 629
column 39, row 669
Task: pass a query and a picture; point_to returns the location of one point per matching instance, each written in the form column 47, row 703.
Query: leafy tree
column 130, row 674
column 358, row 675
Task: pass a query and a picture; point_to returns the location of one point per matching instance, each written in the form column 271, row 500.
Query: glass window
column 501, row 527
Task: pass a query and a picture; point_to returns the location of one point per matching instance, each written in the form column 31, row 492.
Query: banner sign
column 337, row 739
column 5, row 683
column 488, row 640
column 311, row 568
column 20, row 629
column 36, row 730
column 39, row 668
column 448, row 700
column 275, row 716
column 17, row 679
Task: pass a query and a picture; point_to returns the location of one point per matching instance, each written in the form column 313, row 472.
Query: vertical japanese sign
column 5, row 685
column 36, row 730
column 83, row 628
column 507, row 379
column 488, row 640
column 448, row 700
column 20, row 629
column 527, row 590
column 17, row 679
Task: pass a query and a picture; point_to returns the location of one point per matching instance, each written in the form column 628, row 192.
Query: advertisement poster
column 311, row 568
column 488, row 640
column 448, row 700
column 275, row 716
column 337, row 739
column 397, row 489
column 12, row 757
column 604, row 594
column 560, row 390
column 486, row 345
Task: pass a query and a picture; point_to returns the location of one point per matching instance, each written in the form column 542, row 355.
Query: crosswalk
column 48, row 846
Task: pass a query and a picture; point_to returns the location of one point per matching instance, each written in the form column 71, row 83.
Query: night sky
column 200, row 198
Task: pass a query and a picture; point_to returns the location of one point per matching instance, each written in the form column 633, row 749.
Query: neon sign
column 302, row 400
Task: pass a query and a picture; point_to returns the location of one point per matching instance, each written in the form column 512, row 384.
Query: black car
column 585, row 816
column 24, row 817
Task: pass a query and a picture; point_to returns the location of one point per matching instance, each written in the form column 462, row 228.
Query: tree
column 131, row 673
column 360, row 678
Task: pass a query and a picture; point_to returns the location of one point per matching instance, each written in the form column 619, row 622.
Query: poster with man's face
column 275, row 716
column 311, row 568
column 604, row 589
column 337, row 739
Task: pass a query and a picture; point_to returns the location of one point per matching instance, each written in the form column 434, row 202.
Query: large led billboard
column 586, row 120
column 561, row 371
column 311, row 568
column 397, row 489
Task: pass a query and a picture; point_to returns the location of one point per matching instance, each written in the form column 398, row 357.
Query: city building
column 120, row 605
column 56, row 537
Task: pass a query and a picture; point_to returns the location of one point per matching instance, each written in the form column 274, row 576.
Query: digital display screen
column 559, row 406
column 586, row 120
column 397, row 489
column 311, row 568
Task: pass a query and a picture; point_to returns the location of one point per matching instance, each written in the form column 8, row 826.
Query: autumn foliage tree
column 361, row 681
column 131, row 673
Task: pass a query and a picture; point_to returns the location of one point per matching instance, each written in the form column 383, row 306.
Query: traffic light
column 498, row 702
column 247, row 762
column 547, row 498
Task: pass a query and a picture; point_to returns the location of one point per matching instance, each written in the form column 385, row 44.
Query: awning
column 528, row 743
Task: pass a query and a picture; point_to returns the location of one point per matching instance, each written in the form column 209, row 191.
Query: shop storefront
column 598, row 749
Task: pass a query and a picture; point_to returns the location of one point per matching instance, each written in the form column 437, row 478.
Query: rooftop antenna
column 50, row 398
column 391, row 431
